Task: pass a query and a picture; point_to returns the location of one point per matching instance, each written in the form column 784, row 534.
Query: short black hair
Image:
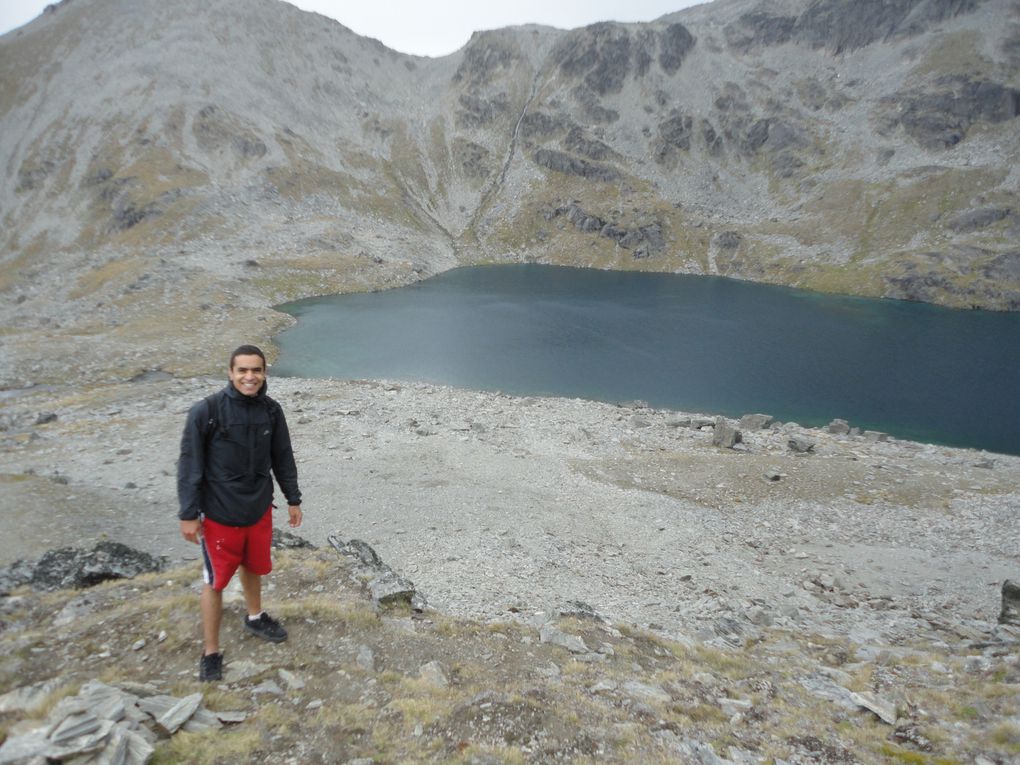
column 248, row 350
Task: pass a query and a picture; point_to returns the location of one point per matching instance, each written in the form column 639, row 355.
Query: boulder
column 1010, row 613
column 573, row 643
column 884, row 709
column 284, row 540
column 72, row 567
column 433, row 673
column 756, row 422
column 645, row 692
column 725, row 435
column 389, row 589
column 800, row 445
column 839, row 427
column 385, row 586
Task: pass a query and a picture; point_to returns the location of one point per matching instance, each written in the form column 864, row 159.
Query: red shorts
column 224, row 548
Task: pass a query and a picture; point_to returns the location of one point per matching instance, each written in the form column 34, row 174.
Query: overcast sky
column 434, row 27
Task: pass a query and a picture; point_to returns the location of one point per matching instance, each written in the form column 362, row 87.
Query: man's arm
column 284, row 467
column 190, row 469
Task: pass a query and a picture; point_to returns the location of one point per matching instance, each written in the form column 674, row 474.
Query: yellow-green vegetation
column 629, row 203
column 209, row 748
column 18, row 261
column 954, row 53
column 882, row 217
column 140, row 178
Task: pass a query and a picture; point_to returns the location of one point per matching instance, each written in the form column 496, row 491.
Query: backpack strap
column 273, row 409
column 214, row 415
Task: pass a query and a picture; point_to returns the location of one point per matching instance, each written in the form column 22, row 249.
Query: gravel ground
column 503, row 507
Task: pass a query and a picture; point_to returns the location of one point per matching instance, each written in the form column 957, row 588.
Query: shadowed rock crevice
column 564, row 163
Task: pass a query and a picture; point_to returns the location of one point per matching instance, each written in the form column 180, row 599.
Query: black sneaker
column 211, row 667
column 266, row 627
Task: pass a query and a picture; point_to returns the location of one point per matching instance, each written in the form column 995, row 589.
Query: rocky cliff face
column 212, row 158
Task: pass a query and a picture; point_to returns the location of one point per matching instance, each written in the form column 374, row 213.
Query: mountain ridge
column 783, row 142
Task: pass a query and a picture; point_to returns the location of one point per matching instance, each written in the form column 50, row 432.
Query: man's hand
column 295, row 515
column 191, row 530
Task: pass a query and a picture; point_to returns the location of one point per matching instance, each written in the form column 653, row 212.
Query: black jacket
column 231, row 442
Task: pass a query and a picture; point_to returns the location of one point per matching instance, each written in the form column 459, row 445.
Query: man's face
column 248, row 373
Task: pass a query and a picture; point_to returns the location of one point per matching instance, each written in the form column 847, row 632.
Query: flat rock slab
column 243, row 670
column 644, row 692
column 174, row 718
column 550, row 634
column 885, row 710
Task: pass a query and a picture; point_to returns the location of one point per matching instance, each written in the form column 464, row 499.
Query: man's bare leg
column 212, row 615
column 252, row 586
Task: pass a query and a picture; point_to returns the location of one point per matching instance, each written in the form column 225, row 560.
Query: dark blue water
column 696, row 344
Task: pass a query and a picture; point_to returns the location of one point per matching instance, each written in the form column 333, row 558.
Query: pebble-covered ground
column 499, row 507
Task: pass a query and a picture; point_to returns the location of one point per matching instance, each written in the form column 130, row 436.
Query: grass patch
column 213, row 747
column 955, row 54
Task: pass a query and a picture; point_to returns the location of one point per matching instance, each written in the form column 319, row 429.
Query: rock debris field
column 507, row 508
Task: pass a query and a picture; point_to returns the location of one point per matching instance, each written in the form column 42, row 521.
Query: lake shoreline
column 694, row 343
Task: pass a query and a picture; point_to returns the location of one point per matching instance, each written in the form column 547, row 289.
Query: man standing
column 234, row 442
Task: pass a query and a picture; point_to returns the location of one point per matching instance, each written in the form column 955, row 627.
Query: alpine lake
column 690, row 343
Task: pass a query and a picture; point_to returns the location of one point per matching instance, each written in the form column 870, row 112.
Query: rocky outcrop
column 599, row 55
column 476, row 112
column 542, row 125
column 759, row 29
column 605, row 55
column 474, row 160
column 385, row 586
column 675, row 42
column 106, row 724
column 643, row 240
column 973, row 220
column 71, row 567
column 593, row 149
column 674, row 136
column 845, row 25
column 941, row 117
column 565, row 163
column 842, row 26
column 1010, row 613
column 486, row 56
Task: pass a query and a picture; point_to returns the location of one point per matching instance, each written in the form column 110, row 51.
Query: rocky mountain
column 180, row 167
